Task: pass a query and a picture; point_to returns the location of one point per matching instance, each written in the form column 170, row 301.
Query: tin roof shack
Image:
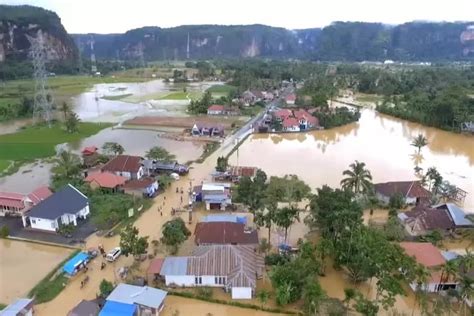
column 220, row 233
column 422, row 220
column 214, row 195
column 234, row 268
column 457, row 214
column 21, row 307
column 145, row 187
column 432, row 258
column 411, row 191
column 157, row 166
column 153, row 271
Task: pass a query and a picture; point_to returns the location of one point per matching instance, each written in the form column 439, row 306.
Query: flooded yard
column 28, row 178
column 24, row 264
column 382, row 142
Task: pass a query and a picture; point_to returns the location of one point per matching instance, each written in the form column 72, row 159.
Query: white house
column 411, row 191
column 130, row 167
column 234, row 268
column 64, row 207
column 291, row 124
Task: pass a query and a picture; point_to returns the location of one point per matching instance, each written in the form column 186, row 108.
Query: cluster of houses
column 293, row 120
column 225, row 256
column 207, row 129
column 421, row 220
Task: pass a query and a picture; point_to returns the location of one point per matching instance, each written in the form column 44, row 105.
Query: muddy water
column 90, row 106
column 137, row 142
column 382, row 142
column 28, row 178
column 17, row 274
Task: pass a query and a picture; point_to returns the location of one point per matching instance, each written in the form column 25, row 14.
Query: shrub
column 204, row 292
column 105, row 287
column 4, row 231
column 275, row 259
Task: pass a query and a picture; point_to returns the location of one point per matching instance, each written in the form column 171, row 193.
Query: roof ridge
column 73, row 187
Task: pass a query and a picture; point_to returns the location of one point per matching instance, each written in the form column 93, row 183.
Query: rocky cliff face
column 19, row 23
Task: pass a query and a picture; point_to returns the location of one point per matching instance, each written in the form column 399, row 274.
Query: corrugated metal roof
column 174, row 266
column 224, row 218
column 16, row 307
column 142, row 295
column 457, row 214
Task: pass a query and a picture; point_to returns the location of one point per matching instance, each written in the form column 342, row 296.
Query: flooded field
column 382, row 142
column 140, row 99
column 28, row 178
column 137, row 142
column 23, row 265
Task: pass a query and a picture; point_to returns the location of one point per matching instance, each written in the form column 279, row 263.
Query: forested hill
column 340, row 41
column 17, row 24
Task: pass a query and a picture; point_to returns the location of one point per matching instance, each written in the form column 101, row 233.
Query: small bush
column 4, row 231
column 275, row 259
column 204, row 292
column 105, row 287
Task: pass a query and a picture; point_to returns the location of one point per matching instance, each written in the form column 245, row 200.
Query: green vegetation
column 174, row 233
column 209, row 148
column 36, row 142
column 200, row 106
column 2, row 306
column 113, row 148
column 175, row 96
column 419, row 142
column 52, row 284
column 105, row 288
column 117, row 97
column 338, row 117
column 4, row 231
column 358, row 178
column 222, row 90
column 222, row 164
column 159, row 153
column 4, row 164
column 131, row 243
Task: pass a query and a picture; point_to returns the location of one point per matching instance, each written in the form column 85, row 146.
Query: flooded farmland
column 382, row 142
column 17, row 274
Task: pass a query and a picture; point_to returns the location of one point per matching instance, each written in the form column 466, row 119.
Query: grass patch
column 223, row 89
column 4, row 164
column 175, row 96
column 39, row 141
column 117, row 97
column 50, row 286
column 2, row 306
column 369, row 98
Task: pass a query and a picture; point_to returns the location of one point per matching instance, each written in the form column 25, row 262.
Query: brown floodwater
column 23, row 265
column 382, row 142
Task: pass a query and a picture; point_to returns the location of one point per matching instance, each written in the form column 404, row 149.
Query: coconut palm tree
column 67, row 166
column 419, row 141
column 65, row 108
column 358, row 178
column 72, row 122
column 448, row 272
column 421, row 275
column 466, row 291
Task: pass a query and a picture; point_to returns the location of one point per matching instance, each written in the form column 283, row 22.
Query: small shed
column 76, row 263
column 112, row 308
column 154, row 269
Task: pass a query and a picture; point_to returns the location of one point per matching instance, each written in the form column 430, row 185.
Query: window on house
column 216, row 280
column 33, row 221
column 198, row 280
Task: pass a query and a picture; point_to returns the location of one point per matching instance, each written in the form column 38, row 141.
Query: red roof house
column 305, row 119
column 290, row 99
column 218, row 233
column 88, row 151
column 17, row 203
column 127, row 166
column 106, row 180
column 282, row 114
column 40, row 194
column 424, row 253
column 291, row 124
column 411, row 191
column 215, row 109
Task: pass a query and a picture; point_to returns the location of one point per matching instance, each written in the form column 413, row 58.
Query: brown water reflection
column 382, row 142
column 17, row 274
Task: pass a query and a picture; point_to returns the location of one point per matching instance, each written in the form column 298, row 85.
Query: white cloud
column 115, row 16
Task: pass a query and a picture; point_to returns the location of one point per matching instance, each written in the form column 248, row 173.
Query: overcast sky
column 117, row 16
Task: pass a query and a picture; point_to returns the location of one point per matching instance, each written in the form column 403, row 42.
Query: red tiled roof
column 40, row 194
column 106, row 179
column 155, row 266
column 216, row 107
column 241, row 171
column 123, row 163
column 12, row 200
column 283, row 113
column 89, row 150
column 290, row 122
column 290, row 97
column 224, row 233
column 139, row 184
column 410, row 189
column 424, row 252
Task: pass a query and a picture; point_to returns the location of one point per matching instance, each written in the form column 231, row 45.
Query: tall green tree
column 65, row 108
column 67, row 167
column 285, row 217
column 113, row 148
column 174, row 233
column 419, row 141
column 358, row 178
column 313, row 295
column 222, row 164
column 131, row 243
column 72, row 122
column 159, row 153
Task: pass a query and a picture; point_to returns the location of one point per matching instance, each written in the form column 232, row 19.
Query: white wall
column 43, row 224
column 241, row 293
column 181, row 280
column 84, row 212
column 410, row 200
column 293, row 129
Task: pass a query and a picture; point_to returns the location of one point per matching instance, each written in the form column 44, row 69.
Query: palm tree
column 466, row 291
column 435, row 179
column 72, row 122
column 65, row 108
column 419, row 141
column 284, row 217
column 421, row 278
column 67, row 166
column 448, row 271
column 358, row 178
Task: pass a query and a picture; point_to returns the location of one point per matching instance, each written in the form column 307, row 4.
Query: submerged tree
column 419, row 141
column 222, row 164
column 131, row 243
column 113, row 148
column 159, row 153
column 174, row 233
column 358, row 178
column 67, row 167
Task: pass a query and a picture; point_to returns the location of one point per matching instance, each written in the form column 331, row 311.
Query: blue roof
column 174, row 266
column 74, row 262
column 112, row 308
column 457, row 214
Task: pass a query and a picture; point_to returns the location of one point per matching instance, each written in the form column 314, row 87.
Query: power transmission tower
column 43, row 100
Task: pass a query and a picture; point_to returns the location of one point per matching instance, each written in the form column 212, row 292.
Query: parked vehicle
column 175, row 176
column 113, row 254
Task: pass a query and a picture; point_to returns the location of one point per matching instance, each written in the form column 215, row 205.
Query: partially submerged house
column 158, row 166
column 457, row 214
column 216, row 109
column 105, row 180
column 216, row 196
column 221, row 233
column 422, row 220
column 235, row 173
column 234, row 268
column 207, row 129
column 16, row 204
column 145, row 187
column 412, row 192
column 291, row 124
column 134, row 300
column 305, row 120
column 130, row 167
column 428, row 255
column 90, row 156
column 20, row 307
column 65, row 207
